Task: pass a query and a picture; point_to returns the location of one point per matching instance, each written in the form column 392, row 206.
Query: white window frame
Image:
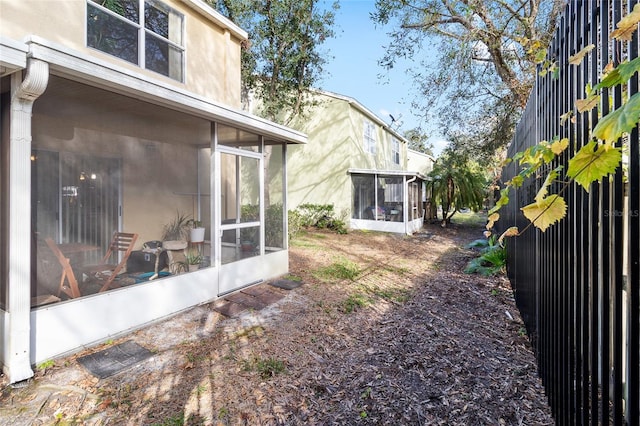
column 395, row 151
column 369, row 137
column 143, row 31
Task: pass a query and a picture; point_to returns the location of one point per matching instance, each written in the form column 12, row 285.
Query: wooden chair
column 68, row 282
column 106, row 271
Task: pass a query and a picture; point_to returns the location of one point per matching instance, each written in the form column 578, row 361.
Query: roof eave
column 72, row 64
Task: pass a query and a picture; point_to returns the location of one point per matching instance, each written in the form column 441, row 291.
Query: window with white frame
column 147, row 33
column 395, row 150
column 369, row 137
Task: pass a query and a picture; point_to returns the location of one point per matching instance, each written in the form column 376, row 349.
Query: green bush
column 492, row 258
column 321, row 216
column 294, row 220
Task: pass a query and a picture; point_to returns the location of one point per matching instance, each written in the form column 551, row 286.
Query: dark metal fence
column 577, row 285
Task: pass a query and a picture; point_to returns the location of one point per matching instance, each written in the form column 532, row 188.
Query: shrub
column 321, row 216
column 492, row 259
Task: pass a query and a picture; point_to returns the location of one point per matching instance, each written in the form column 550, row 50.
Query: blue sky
column 353, row 71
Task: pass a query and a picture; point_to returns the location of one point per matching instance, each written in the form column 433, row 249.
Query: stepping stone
column 230, row 309
column 250, row 301
column 286, row 284
column 255, row 290
column 114, row 359
column 242, row 298
column 270, row 297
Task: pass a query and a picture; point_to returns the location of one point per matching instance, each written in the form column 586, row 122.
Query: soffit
column 144, row 93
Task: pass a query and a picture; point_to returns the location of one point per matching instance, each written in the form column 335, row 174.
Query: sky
column 352, row 69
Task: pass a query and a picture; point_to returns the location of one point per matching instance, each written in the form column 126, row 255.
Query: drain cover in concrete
column 286, row 284
column 114, row 359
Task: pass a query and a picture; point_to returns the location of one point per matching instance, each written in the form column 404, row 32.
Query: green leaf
column 545, row 212
column 623, row 120
column 593, row 162
column 502, row 201
column 620, row 74
column 516, row 181
column 537, row 154
column 540, row 54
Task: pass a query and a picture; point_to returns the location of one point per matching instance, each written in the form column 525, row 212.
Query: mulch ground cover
column 383, row 329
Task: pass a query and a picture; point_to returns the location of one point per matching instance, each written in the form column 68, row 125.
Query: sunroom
column 90, row 153
column 387, row 201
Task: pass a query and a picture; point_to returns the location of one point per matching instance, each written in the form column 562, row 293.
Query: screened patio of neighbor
column 388, row 201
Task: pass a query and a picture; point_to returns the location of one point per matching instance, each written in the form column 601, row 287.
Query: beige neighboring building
column 358, row 163
column 419, row 161
column 115, row 118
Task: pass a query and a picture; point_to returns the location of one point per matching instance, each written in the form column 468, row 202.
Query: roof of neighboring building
column 421, row 154
column 364, row 110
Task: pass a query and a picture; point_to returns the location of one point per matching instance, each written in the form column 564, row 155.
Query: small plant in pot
column 196, row 231
column 193, row 259
column 175, row 232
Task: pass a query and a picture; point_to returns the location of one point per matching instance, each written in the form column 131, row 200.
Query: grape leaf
column 558, row 146
column 540, row 54
column 565, row 117
column 623, row 120
column 502, row 201
column 493, row 218
column 510, row 232
column 553, row 174
column 587, row 104
column 516, row 181
column 627, row 25
column 546, row 212
column 577, row 58
column 593, row 162
column 620, row 74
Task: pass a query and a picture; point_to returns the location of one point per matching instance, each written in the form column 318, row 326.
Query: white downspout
column 406, row 203
column 17, row 364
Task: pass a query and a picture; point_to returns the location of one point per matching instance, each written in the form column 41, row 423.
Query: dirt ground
column 385, row 329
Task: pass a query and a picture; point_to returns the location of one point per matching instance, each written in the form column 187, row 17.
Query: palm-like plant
column 457, row 183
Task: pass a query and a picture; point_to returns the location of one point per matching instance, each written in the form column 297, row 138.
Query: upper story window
column 395, row 150
column 147, row 33
column 369, row 137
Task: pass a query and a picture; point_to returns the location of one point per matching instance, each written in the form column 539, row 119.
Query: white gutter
column 13, row 56
column 17, row 333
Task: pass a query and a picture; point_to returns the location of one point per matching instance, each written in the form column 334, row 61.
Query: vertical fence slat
column 633, row 282
column 580, row 302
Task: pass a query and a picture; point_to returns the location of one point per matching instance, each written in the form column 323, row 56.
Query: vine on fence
column 600, row 157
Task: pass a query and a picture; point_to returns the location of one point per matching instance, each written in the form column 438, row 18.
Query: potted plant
column 196, row 231
column 193, row 259
column 174, row 241
column 176, row 231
